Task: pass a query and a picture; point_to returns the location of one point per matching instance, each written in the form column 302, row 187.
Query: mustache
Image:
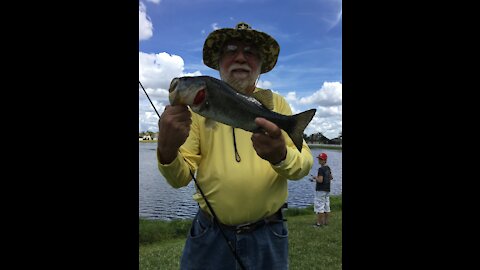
column 237, row 66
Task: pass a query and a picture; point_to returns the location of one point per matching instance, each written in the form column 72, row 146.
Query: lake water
column 158, row 200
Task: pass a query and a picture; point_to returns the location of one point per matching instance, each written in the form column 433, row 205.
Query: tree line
column 321, row 139
column 312, row 138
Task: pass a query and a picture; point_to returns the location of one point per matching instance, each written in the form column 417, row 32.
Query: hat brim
column 267, row 46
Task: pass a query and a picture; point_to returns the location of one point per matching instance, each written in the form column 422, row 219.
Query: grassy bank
column 161, row 242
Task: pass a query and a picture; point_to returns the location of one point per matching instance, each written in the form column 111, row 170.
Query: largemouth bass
column 215, row 99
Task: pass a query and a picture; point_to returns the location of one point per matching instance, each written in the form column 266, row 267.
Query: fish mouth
column 173, row 85
column 183, row 91
column 172, row 93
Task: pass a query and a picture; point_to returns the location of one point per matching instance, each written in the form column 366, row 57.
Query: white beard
column 244, row 86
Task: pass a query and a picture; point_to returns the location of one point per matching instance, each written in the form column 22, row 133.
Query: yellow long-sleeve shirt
column 239, row 192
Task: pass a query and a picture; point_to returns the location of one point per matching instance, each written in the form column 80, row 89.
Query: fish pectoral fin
column 265, row 97
column 210, row 123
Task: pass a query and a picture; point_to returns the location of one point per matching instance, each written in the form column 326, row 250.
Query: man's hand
column 269, row 145
column 174, row 127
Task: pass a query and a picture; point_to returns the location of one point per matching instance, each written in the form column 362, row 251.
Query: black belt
column 250, row 227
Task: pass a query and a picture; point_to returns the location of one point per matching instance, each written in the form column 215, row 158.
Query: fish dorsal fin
column 265, row 97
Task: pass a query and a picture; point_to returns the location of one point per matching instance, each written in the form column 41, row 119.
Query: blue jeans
column 206, row 248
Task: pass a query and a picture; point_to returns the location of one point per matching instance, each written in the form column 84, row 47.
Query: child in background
column 322, row 191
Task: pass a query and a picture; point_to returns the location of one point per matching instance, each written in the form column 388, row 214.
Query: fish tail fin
column 302, row 120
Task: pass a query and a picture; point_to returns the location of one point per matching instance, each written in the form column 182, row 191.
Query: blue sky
column 308, row 72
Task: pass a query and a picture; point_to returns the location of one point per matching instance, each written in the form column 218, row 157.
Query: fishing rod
column 215, row 218
column 149, row 99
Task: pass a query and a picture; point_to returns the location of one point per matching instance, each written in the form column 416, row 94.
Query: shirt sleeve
column 179, row 172
column 321, row 172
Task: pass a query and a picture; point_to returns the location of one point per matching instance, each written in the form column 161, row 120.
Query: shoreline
column 311, row 145
column 325, row 146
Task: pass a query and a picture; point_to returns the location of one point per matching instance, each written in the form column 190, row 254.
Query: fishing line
column 237, row 155
column 149, row 99
column 256, row 81
column 215, row 218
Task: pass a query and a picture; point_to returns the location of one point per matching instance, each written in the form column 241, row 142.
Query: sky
column 308, row 72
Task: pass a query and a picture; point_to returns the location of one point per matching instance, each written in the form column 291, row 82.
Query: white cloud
column 215, row 26
column 328, row 103
column 192, row 74
column 327, row 120
column 329, row 127
column 329, row 95
column 264, row 84
column 329, row 111
column 291, row 97
column 145, row 26
column 154, row 1
column 156, row 71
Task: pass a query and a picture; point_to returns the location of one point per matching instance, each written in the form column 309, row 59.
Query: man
column 242, row 175
column 322, row 191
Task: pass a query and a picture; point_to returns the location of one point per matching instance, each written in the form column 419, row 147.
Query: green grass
column 161, row 242
column 153, row 231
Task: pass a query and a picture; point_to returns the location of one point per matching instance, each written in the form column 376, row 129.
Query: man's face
column 240, row 65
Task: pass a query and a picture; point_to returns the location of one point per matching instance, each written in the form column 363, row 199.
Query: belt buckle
column 244, row 228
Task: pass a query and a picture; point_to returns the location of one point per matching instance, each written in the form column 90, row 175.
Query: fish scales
column 216, row 100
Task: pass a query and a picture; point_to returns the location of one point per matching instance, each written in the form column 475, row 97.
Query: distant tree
column 337, row 140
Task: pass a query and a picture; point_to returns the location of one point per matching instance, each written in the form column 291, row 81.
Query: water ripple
column 158, row 200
